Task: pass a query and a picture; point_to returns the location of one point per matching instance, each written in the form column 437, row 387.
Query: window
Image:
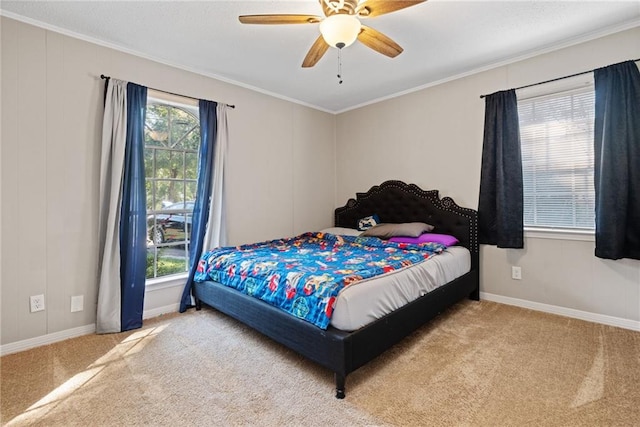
column 557, row 158
column 172, row 141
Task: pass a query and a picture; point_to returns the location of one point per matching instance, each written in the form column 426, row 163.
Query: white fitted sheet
column 368, row 300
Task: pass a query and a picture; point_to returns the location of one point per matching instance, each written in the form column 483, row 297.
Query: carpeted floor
column 479, row 364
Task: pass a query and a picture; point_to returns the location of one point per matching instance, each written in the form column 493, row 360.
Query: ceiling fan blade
column 371, row 8
column 279, row 19
column 315, row 53
column 379, row 42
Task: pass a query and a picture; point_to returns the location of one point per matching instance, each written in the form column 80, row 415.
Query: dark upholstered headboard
column 397, row 202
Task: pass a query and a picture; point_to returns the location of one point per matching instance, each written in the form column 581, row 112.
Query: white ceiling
column 442, row 39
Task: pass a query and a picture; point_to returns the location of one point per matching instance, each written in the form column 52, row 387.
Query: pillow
column 340, row 231
column 409, row 229
column 444, row 239
column 367, row 222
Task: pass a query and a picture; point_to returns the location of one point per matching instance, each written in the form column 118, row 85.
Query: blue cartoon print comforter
column 302, row 275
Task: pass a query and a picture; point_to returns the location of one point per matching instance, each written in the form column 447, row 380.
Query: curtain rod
column 558, row 78
column 103, row 77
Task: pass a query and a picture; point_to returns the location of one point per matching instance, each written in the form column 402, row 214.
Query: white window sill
column 560, row 234
column 166, row 282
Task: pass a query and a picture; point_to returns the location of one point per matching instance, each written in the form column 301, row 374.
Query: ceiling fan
column 341, row 26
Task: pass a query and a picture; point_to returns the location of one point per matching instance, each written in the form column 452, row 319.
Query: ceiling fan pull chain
column 340, row 66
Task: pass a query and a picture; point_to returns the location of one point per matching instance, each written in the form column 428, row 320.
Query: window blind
column 556, row 133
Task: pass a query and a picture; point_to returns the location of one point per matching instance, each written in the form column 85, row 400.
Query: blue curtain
column 208, row 130
column 133, row 213
column 617, row 161
column 500, row 207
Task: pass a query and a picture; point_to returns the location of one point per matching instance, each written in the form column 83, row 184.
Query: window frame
column 190, row 105
column 551, row 88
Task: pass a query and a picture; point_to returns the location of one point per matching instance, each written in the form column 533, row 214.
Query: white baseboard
column 27, row 344
column 17, row 346
column 564, row 311
column 172, row 308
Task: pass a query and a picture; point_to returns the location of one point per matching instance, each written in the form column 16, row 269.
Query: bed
column 344, row 351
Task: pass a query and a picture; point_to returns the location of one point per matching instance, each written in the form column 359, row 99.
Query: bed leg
column 475, row 295
column 198, row 304
column 339, row 386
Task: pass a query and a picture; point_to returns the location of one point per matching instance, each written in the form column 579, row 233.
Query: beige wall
column 433, row 138
column 289, row 166
column 51, row 124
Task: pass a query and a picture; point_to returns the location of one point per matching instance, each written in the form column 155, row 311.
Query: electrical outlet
column 77, row 303
column 37, row 303
column 516, row 273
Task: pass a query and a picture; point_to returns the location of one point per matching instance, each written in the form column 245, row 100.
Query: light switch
column 77, row 303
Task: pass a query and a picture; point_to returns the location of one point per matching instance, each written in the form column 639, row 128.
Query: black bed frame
column 344, row 352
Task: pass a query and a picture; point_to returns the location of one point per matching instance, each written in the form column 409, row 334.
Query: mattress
column 368, row 300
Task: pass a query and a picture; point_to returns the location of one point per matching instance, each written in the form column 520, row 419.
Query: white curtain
column 114, row 133
column 216, row 225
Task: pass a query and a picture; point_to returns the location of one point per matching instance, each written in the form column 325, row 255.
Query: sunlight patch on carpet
column 592, row 387
column 133, row 344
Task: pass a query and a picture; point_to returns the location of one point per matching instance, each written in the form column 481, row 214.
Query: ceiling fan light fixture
column 340, row 30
